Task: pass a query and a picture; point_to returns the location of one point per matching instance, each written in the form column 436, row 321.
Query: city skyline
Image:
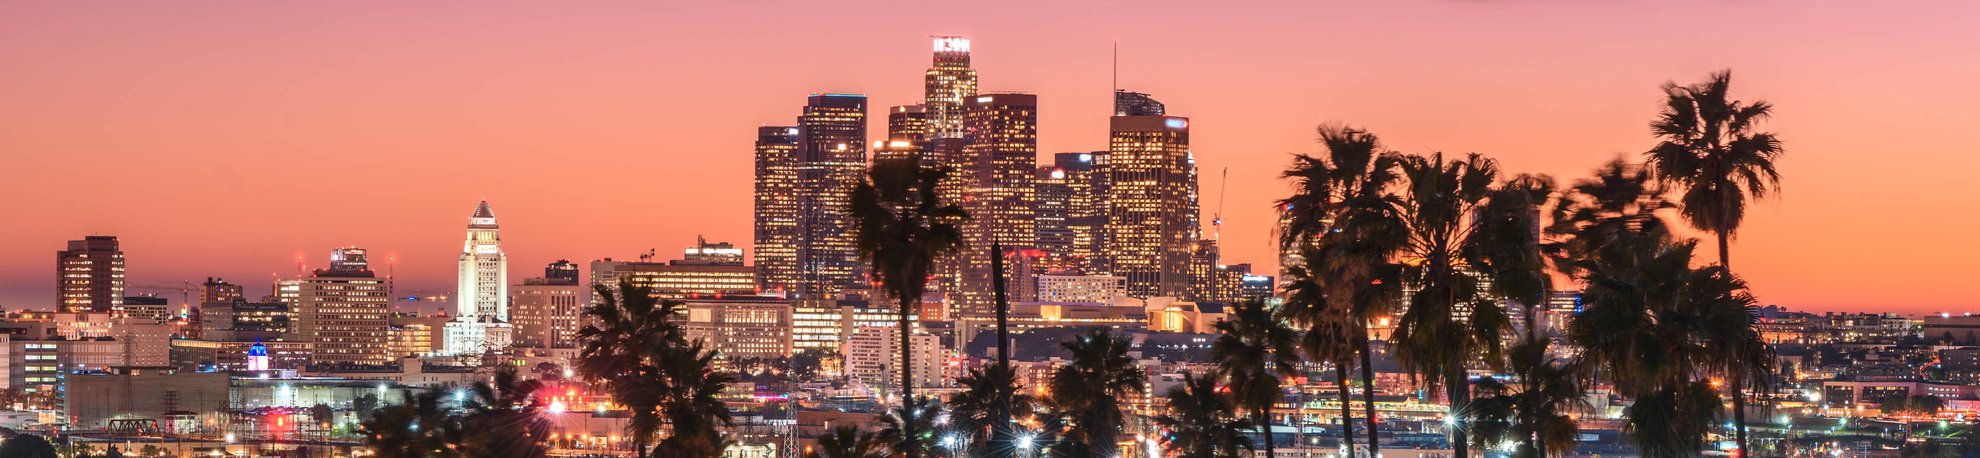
column 199, row 215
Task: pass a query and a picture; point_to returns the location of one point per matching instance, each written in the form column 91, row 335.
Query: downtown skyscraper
column 1000, row 166
column 804, row 180
column 1151, row 204
column 89, row 276
column 949, row 84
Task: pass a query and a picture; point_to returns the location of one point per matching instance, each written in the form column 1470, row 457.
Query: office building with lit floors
column 695, row 274
column 546, row 311
column 89, row 275
column 1000, row 166
column 739, row 327
column 1152, row 213
column 776, row 209
column 873, row 357
column 831, row 162
column 481, row 302
column 345, row 311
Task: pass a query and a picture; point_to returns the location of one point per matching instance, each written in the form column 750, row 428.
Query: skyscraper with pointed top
column 482, row 301
column 483, row 292
column 949, row 83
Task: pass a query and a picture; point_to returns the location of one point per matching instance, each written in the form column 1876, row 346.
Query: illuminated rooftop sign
column 951, row 44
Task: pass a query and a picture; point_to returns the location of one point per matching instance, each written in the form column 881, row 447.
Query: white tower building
column 482, row 300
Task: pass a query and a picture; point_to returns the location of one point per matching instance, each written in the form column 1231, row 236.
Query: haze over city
column 228, row 139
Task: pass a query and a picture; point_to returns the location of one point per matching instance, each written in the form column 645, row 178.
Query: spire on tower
column 482, row 211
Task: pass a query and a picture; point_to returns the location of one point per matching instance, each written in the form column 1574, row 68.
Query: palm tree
column 977, row 408
column 1536, row 411
column 904, row 226
column 910, row 428
column 1087, row 392
column 499, row 419
column 629, row 329
column 504, row 417
column 1253, row 351
column 1463, row 229
column 1621, row 199
column 1344, row 220
column 692, row 403
column 1711, row 148
column 423, row 425
column 1661, row 328
column 847, row 442
column 1203, row 423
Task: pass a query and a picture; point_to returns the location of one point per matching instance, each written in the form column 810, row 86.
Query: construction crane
column 1217, row 219
column 184, row 288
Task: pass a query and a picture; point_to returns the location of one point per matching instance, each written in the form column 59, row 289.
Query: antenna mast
column 1217, row 219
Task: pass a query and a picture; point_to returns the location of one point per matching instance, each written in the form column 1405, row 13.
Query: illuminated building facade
column 1085, row 180
column 90, row 275
column 1096, row 289
column 831, row 158
column 345, row 311
column 705, row 270
column 546, row 312
column 482, row 300
column 908, row 123
column 825, row 323
column 776, row 208
column 1151, row 207
column 738, row 327
column 1129, row 103
column 1055, row 235
column 873, row 356
column 1002, row 163
column 948, row 83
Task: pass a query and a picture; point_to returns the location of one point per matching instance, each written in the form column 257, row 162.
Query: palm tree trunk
column 907, row 379
column 1002, row 420
column 1738, row 395
column 1347, row 408
column 1368, row 393
column 1265, row 423
column 1459, row 394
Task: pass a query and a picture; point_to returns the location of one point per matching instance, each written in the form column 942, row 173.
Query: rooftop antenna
column 1117, row 73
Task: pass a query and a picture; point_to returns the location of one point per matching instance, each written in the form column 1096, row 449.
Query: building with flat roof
column 89, row 275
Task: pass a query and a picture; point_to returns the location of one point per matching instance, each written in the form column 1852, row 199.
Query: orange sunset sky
column 229, row 138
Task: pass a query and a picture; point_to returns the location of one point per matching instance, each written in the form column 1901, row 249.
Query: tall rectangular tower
column 948, row 84
column 776, row 210
column 1000, row 165
column 346, row 311
column 1151, row 206
column 831, row 160
column 1086, row 178
column 89, row 276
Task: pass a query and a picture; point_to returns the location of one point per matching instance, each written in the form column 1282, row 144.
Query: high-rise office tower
column 715, row 254
column 1055, row 235
column 1001, row 166
column 482, row 300
column 546, row 312
column 89, row 276
column 562, row 272
column 776, row 209
column 908, row 122
column 1086, row 207
column 483, row 287
column 899, row 149
column 831, row 160
column 1150, row 204
column 1127, row 103
column 217, row 290
column 346, row 311
column 949, row 83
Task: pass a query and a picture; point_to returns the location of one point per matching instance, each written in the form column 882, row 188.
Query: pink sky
column 228, row 138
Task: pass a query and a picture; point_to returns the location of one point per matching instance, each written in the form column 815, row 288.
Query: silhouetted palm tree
column 1203, row 423
column 847, row 442
column 1536, row 411
column 1253, row 351
column 628, row 331
column 1464, row 229
column 1344, row 220
column 692, row 404
column 1661, row 328
column 904, row 226
column 505, row 417
column 500, row 419
column 1621, row 199
column 1086, row 392
column 977, row 407
column 910, row 428
column 1711, row 148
